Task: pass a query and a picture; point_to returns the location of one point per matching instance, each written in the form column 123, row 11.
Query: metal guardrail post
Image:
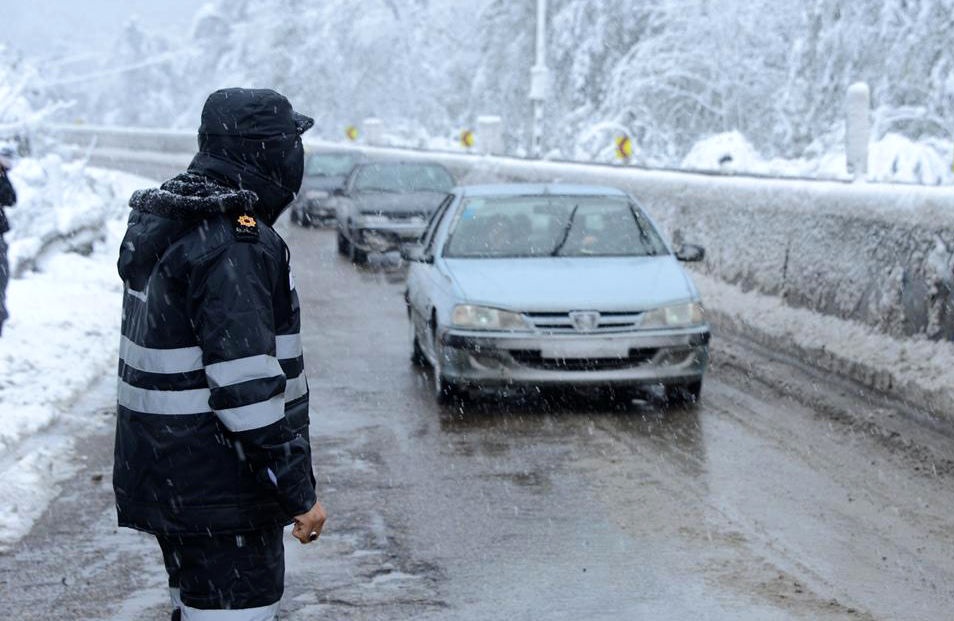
column 490, row 135
column 374, row 131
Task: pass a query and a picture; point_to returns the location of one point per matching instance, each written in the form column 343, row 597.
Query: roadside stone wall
column 880, row 254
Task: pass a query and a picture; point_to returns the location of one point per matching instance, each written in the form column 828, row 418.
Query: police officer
column 212, row 453
column 8, row 198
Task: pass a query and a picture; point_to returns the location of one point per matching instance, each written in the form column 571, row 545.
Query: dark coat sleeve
column 8, row 196
column 231, row 302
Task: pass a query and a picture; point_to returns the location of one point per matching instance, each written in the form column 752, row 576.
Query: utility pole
column 539, row 81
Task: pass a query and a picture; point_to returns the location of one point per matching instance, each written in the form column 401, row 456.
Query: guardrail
column 881, row 254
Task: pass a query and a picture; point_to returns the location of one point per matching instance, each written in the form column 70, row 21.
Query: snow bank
column 61, row 207
column 900, row 159
column 916, row 370
column 892, row 159
column 727, row 152
column 62, row 335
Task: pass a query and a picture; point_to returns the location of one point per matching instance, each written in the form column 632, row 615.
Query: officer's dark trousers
column 4, row 278
column 226, row 577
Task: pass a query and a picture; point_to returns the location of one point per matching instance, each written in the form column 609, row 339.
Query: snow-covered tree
column 671, row 72
column 24, row 100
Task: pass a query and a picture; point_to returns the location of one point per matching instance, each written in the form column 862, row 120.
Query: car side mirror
column 690, row 253
column 415, row 253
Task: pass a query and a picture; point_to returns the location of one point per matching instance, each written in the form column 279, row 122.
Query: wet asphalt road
column 783, row 495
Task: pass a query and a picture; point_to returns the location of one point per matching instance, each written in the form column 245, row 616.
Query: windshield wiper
column 566, row 232
column 645, row 235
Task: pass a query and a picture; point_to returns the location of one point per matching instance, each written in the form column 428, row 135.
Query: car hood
column 326, row 183
column 398, row 202
column 565, row 284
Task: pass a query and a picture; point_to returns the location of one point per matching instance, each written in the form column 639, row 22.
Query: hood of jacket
column 161, row 216
column 251, row 139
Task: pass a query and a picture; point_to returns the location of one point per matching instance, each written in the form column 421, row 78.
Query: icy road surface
column 783, row 496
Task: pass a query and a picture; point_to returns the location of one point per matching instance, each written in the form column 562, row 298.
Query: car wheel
column 684, row 394
column 343, row 244
column 418, row 358
column 357, row 256
column 294, row 217
column 445, row 392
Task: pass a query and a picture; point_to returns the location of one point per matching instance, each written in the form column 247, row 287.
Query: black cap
column 302, row 122
column 251, row 113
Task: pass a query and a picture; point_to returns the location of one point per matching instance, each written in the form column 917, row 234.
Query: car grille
column 533, row 359
column 562, row 323
column 403, row 217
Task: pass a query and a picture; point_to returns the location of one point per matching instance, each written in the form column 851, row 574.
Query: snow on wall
column 825, row 251
column 880, row 254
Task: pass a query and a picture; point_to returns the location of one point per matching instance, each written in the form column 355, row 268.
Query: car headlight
column 316, row 195
column 678, row 315
column 373, row 220
column 473, row 317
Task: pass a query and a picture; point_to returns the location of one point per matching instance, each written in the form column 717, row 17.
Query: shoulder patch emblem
column 246, row 228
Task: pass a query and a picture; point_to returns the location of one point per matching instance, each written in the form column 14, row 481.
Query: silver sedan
column 539, row 285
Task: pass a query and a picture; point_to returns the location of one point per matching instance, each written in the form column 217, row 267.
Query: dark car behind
column 325, row 173
column 386, row 204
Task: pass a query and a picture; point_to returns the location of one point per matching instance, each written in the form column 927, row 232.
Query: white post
column 857, row 129
column 539, row 81
column 374, row 131
column 490, row 135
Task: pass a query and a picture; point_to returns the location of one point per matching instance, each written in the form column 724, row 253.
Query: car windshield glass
column 329, row 164
column 541, row 226
column 402, row 178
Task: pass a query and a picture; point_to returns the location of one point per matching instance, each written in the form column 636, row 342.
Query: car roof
column 313, row 152
column 535, row 189
column 399, row 163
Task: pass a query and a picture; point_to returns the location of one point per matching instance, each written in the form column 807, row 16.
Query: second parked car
column 325, row 173
column 386, row 204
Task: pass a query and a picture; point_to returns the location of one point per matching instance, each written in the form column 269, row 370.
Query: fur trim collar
column 190, row 196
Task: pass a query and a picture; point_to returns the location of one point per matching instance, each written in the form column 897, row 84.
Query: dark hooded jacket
column 212, row 428
column 8, row 198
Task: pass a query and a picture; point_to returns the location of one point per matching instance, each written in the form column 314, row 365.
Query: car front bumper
column 381, row 238
column 318, row 210
column 632, row 358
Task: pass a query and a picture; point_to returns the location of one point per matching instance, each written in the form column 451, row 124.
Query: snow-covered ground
column 917, row 370
column 62, row 336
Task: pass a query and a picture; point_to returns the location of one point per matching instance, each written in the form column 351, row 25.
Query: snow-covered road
column 792, row 493
column 786, row 495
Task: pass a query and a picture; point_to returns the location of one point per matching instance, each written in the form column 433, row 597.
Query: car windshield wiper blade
column 389, row 190
column 644, row 234
column 566, row 232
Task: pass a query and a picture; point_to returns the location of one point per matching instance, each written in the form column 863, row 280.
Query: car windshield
column 329, row 164
column 403, row 178
column 541, row 226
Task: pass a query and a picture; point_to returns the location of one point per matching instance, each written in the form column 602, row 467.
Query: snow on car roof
column 529, row 189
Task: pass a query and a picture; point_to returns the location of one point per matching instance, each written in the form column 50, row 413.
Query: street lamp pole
column 539, row 81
